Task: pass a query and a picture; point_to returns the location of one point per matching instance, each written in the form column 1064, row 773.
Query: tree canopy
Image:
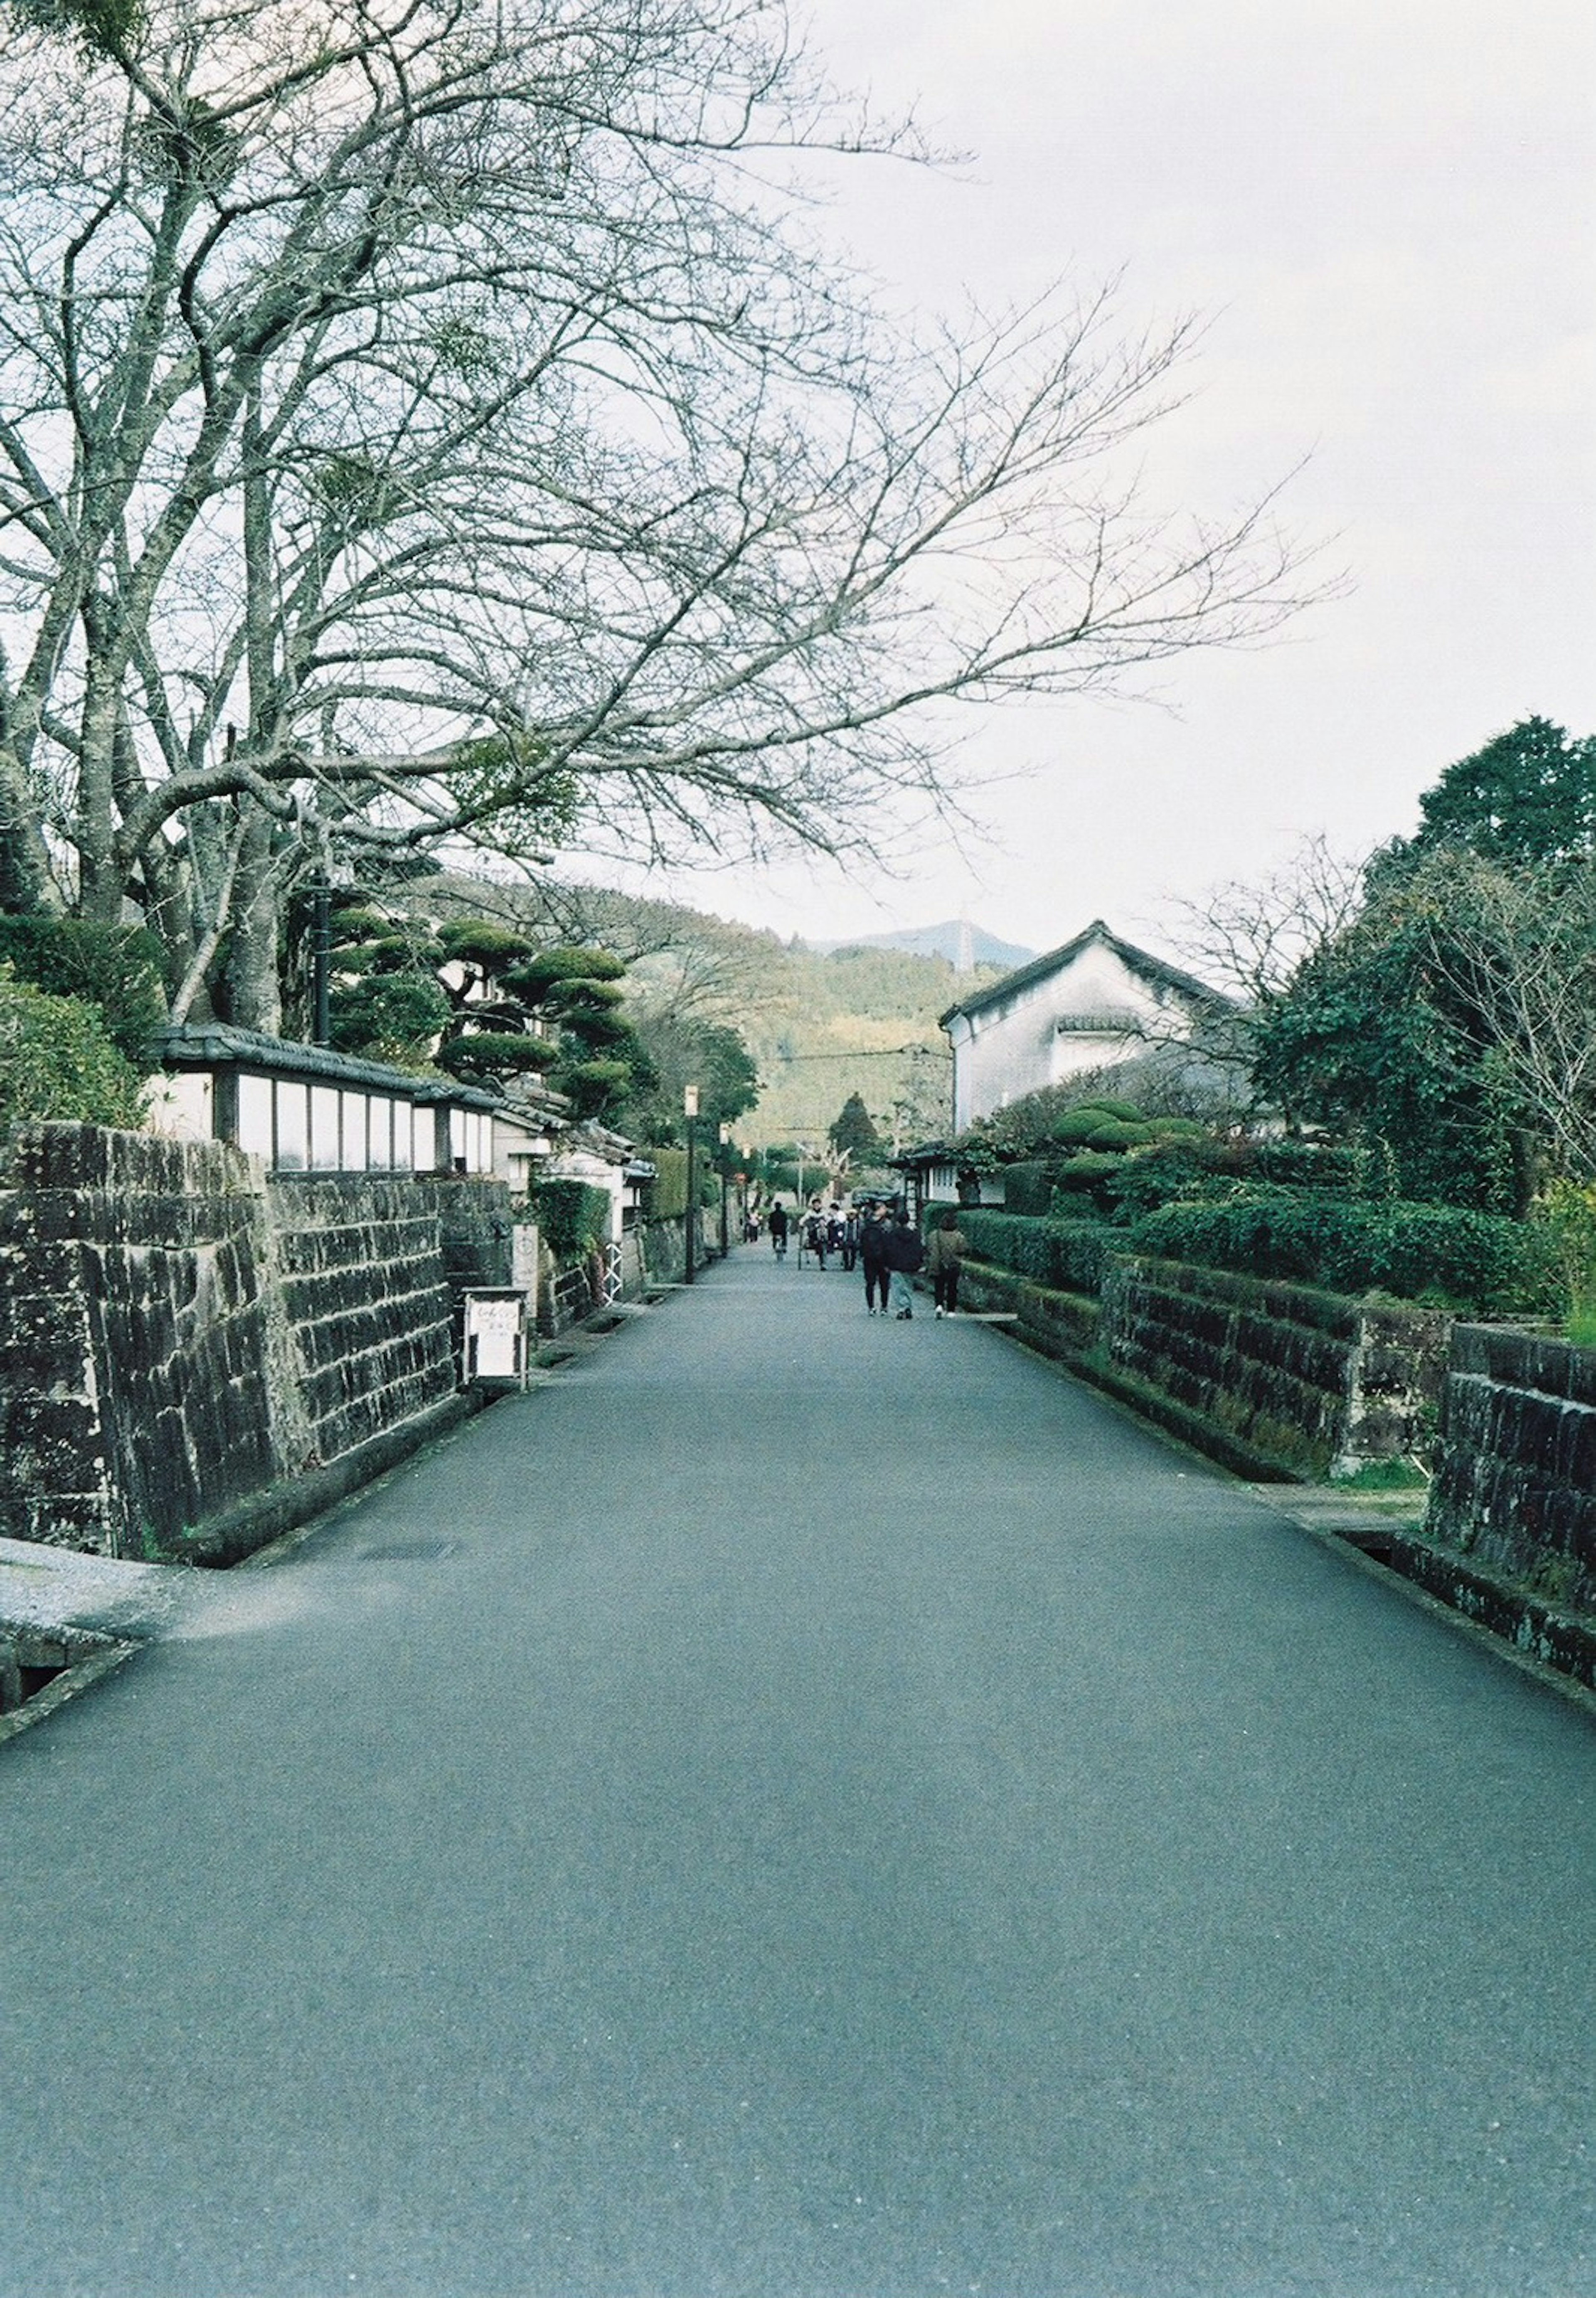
column 433, row 421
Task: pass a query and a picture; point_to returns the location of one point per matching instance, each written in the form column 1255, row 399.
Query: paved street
column 851, row 1815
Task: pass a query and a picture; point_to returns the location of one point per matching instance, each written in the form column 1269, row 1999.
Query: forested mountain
column 955, row 939
column 821, row 1025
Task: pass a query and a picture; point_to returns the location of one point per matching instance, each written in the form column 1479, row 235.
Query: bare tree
column 1517, row 950
column 424, row 422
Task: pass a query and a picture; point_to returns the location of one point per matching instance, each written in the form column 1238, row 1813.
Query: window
column 352, row 1140
column 380, row 1117
column 324, row 1129
column 254, row 1115
column 292, row 1131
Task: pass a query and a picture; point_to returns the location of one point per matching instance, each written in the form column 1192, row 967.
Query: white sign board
column 496, row 1336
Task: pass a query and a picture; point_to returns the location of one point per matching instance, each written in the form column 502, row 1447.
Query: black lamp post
column 725, row 1179
column 690, row 1110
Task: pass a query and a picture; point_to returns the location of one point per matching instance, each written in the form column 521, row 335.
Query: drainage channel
column 42, row 1668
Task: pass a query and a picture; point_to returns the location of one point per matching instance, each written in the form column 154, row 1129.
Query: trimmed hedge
column 1480, row 1262
column 1028, row 1188
column 573, row 1219
column 1064, row 1255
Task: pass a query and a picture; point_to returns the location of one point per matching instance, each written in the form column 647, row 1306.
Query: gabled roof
column 1136, row 961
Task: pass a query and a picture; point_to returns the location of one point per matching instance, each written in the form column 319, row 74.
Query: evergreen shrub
column 116, row 969
column 1028, row 1187
column 573, row 1219
column 1066, row 1256
column 58, row 1059
column 1478, row 1262
column 668, row 1192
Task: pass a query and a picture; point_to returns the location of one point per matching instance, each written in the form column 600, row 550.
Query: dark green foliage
column 535, row 976
column 480, row 1053
column 1068, row 1256
column 114, row 968
column 680, row 1050
column 1478, row 1262
column 390, row 1017
column 482, row 942
column 101, row 27
column 573, row 1220
column 1371, row 1040
column 1100, row 1125
column 1528, row 796
column 1296, row 1164
column 853, row 1134
column 1028, row 1188
column 667, row 1192
column 593, row 1087
column 58, row 1059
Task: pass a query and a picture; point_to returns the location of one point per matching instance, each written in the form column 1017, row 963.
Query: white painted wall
column 1016, row 1045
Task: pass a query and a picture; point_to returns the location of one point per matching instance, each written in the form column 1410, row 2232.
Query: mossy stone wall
column 1515, row 1483
column 178, row 1334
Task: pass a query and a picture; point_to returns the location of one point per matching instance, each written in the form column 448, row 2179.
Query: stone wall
column 1307, row 1382
column 1515, row 1482
column 182, row 1341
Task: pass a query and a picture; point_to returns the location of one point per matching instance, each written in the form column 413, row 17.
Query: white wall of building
column 1094, row 1011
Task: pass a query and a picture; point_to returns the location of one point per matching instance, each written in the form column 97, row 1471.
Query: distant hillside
column 821, row 1025
column 945, row 941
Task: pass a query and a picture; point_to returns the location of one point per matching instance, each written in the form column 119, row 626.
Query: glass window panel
column 324, row 1129
column 292, row 1136
column 254, row 1115
column 352, row 1136
column 381, row 1118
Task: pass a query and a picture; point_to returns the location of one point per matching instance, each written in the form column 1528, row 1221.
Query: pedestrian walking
column 778, row 1229
column 815, row 1232
column 850, row 1238
column 872, row 1253
column 905, row 1254
column 943, row 1255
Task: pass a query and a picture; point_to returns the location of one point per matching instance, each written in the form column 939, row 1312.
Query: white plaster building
column 1094, row 1002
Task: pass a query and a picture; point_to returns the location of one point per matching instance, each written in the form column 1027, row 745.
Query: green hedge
column 666, row 1197
column 1064, row 1255
column 1479, row 1262
column 572, row 1218
column 1028, row 1187
column 115, row 967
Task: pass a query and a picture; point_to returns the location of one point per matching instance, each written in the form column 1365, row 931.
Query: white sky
column 1386, row 208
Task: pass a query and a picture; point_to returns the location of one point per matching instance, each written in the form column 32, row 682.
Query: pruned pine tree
column 428, row 421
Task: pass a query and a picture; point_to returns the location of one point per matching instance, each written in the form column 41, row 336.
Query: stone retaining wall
column 1515, row 1482
column 179, row 1335
column 1309, row 1381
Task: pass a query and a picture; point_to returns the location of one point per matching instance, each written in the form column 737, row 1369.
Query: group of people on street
column 882, row 1238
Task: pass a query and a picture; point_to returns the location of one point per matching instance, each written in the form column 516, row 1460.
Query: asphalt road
column 852, row 1816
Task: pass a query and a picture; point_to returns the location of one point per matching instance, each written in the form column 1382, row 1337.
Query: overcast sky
column 1386, row 211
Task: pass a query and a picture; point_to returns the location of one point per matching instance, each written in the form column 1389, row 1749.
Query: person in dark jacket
column 943, row 1255
column 905, row 1256
column 872, row 1253
column 778, row 1228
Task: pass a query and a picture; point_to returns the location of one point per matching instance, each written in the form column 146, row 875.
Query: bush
column 1079, row 1127
column 57, row 1059
column 1478, row 1262
column 667, row 1192
column 1028, row 1187
column 1067, row 1256
column 573, row 1219
column 1294, row 1164
column 116, row 969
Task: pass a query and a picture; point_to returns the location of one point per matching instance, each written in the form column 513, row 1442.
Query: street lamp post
column 690, row 1110
column 725, row 1179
